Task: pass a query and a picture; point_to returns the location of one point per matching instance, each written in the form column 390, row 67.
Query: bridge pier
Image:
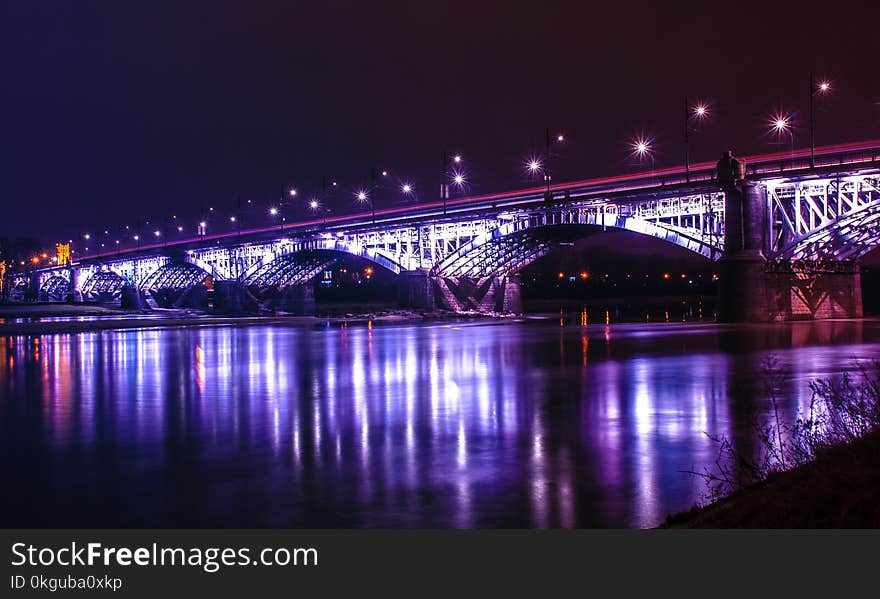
column 75, row 295
column 233, row 297
column 416, row 290
column 133, row 298
column 489, row 294
column 298, row 299
column 754, row 289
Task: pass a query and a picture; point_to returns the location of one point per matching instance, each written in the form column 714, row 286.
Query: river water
column 531, row 423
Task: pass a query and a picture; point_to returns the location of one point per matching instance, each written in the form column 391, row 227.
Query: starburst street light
column 457, row 159
column 641, row 147
column 823, row 87
column 313, row 204
column 780, row 123
column 533, row 166
column 458, row 179
column 273, row 211
column 361, row 196
column 406, row 188
column 695, row 112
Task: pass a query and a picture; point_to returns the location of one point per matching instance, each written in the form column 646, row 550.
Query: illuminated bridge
column 788, row 238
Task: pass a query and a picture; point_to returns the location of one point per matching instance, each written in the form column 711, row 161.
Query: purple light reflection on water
column 449, row 425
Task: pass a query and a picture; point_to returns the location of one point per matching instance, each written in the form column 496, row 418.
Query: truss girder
column 103, row 282
column 507, row 248
column 297, row 268
column 834, row 218
column 174, row 276
column 56, row 286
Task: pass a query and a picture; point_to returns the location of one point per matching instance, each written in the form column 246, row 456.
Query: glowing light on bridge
column 361, row 195
column 406, row 188
column 560, row 138
column 780, row 123
column 642, row 146
column 273, row 211
column 292, row 193
column 700, row 110
column 457, row 159
column 533, row 165
column 458, row 178
column 314, row 204
column 824, row 86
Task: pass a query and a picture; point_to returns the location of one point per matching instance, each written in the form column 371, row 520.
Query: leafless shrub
column 841, row 410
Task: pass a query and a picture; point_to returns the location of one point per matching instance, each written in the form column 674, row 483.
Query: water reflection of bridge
column 483, row 425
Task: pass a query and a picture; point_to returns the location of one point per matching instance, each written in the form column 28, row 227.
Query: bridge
column 787, row 237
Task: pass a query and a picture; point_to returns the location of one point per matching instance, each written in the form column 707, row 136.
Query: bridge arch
column 178, row 284
column 103, row 283
column 513, row 246
column 55, row 288
column 302, row 265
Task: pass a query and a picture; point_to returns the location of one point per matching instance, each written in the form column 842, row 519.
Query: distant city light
column 292, row 192
column 560, row 138
column 824, row 86
column 156, row 233
column 406, row 188
column 273, row 211
column 313, row 204
column 701, row 110
column 232, row 219
column 362, row 195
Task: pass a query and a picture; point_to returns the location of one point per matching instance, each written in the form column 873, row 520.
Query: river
column 539, row 422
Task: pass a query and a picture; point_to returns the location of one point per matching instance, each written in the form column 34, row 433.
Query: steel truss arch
column 174, row 276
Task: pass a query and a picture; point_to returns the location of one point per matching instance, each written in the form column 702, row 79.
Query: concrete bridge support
column 233, row 297
column 416, row 290
column 75, row 295
column 489, row 294
column 754, row 289
column 133, row 298
column 297, row 299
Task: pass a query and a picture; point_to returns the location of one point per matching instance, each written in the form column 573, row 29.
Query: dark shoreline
column 839, row 489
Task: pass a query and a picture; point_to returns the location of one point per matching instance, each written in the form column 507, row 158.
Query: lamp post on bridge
column 697, row 112
column 822, row 88
column 451, row 175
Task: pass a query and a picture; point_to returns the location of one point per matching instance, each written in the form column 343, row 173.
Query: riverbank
column 839, row 489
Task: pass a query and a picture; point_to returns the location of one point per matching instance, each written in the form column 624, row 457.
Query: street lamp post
column 696, row 112
column 823, row 87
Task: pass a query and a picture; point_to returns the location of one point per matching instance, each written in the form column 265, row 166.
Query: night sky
column 114, row 111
